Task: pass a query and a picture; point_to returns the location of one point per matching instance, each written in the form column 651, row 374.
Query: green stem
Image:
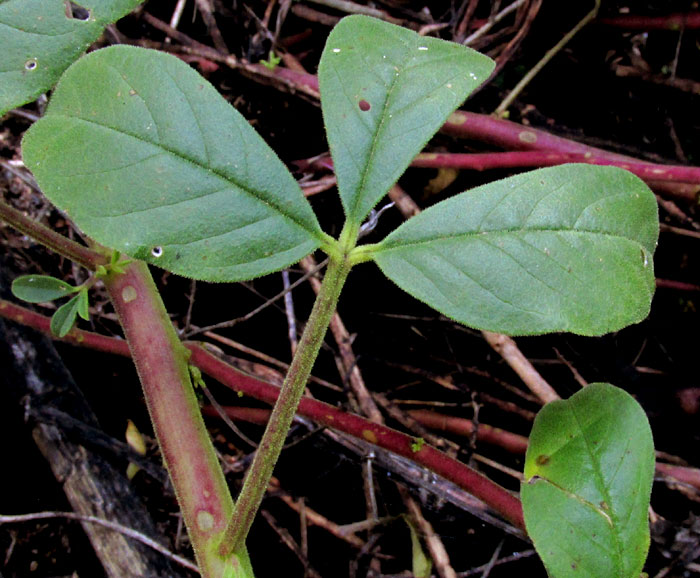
column 273, row 439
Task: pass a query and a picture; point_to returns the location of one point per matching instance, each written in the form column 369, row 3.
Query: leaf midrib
column 384, row 247
column 42, row 34
column 245, row 189
column 600, row 485
column 360, row 192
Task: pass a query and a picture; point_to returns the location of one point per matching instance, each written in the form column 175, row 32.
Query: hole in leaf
column 157, row 251
column 364, row 106
column 77, row 12
column 31, row 64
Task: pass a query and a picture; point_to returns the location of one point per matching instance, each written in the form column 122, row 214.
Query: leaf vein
column 197, row 165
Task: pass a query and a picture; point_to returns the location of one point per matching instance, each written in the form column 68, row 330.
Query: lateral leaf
column 385, row 91
column 83, row 304
column 65, row 316
column 39, row 39
column 566, row 248
column 40, row 288
column 588, row 474
column 149, row 159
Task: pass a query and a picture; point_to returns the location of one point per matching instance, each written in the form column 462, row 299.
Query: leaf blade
column 185, row 182
column 64, row 318
column 384, row 92
column 566, row 248
column 40, row 288
column 589, row 470
column 38, row 42
column 83, row 305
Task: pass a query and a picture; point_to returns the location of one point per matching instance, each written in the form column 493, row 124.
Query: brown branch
column 88, row 258
column 313, row 517
column 508, row 349
column 682, row 84
column 116, row 527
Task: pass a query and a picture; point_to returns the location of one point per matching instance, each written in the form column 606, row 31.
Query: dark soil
column 579, row 96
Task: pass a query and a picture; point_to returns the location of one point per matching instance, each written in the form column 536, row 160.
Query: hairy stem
column 268, row 452
column 162, row 364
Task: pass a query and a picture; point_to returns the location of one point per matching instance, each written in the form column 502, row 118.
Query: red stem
column 162, row 365
column 505, row 134
column 690, row 476
column 312, row 409
column 677, row 21
column 76, row 336
column 473, row 482
column 476, row 484
column 499, row 160
column 509, row 441
column 511, row 135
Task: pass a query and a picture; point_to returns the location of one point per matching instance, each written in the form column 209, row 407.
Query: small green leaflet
column 39, row 39
column 588, row 475
column 41, row 288
column 566, row 248
column 83, row 305
column 147, row 158
column 63, row 320
column 422, row 565
column 44, row 288
column 385, row 91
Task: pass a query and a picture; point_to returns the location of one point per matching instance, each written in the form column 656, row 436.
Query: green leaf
column 38, row 41
column 385, row 91
column 147, row 158
column 65, row 316
column 589, row 470
column 566, row 248
column 40, row 288
column 422, row 565
column 83, row 304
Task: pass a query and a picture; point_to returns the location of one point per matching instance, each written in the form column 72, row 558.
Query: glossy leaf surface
column 588, row 471
column 385, row 91
column 40, row 288
column 567, row 248
column 149, row 159
column 39, row 39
